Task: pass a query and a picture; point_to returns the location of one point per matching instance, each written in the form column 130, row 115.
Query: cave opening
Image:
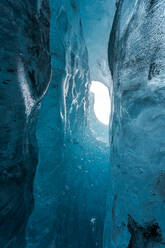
column 99, row 111
column 101, row 102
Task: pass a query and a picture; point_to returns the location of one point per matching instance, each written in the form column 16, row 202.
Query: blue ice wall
column 136, row 210
column 66, row 97
column 24, row 77
column 97, row 18
column 72, row 175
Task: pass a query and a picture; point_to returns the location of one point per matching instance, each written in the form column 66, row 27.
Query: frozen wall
column 24, row 77
column 135, row 216
column 97, row 18
column 71, row 180
column 60, row 132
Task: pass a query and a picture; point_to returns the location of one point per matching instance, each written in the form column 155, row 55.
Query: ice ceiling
column 82, row 124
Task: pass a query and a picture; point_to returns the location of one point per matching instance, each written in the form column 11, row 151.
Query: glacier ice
column 97, row 17
column 57, row 154
column 72, row 173
column 135, row 214
column 24, row 75
column 69, row 186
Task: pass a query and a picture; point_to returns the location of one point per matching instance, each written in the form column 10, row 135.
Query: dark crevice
column 153, row 71
column 142, row 236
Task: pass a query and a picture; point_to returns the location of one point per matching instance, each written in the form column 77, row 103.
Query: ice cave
column 82, row 124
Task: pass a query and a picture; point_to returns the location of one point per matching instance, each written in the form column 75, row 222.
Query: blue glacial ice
column 72, row 175
column 59, row 189
column 24, row 76
column 136, row 209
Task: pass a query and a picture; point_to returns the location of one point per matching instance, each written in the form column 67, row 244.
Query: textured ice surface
column 71, row 179
column 136, row 212
column 97, row 18
column 24, row 77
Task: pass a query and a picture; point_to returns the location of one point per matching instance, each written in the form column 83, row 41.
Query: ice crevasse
column 49, row 152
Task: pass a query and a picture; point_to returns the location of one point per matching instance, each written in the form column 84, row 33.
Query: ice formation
column 24, row 74
column 73, row 169
column 54, row 150
column 135, row 217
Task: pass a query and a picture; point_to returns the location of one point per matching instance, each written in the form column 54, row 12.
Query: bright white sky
column 102, row 103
